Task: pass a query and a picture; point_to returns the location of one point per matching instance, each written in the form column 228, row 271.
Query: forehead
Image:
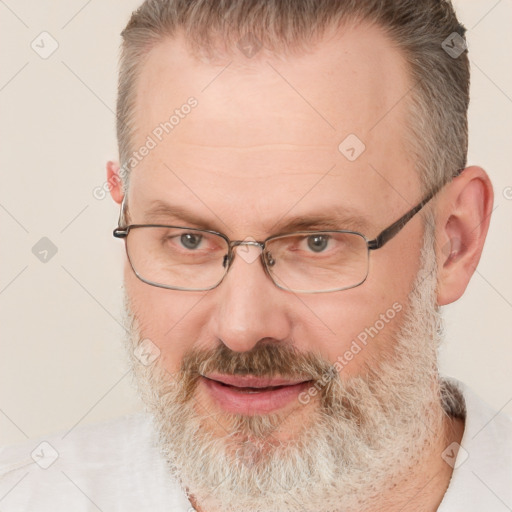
column 266, row 132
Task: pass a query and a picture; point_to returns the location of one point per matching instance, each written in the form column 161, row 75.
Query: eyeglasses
column 190, row 259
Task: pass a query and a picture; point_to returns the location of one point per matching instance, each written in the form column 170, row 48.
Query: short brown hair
column 423, row 30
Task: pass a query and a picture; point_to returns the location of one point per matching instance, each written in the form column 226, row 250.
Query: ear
column 462, row 220
column 115, row 181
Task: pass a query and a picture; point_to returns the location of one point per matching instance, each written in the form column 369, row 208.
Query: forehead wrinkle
column 198, row 156
column 201, row 170
column 263, row 146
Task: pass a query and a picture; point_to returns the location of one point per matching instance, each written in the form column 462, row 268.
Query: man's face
column 258, row 153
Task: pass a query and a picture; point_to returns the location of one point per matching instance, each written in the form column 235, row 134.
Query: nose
column 248, row 307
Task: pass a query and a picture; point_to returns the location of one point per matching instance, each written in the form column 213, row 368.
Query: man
column 296, row 207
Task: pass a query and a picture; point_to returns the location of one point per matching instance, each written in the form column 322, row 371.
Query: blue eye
column 191, row 240
column 318, row 243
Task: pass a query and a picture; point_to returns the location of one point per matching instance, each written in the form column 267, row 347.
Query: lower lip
column 252, row 403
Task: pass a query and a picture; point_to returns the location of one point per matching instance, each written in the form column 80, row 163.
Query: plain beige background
column 61, row 360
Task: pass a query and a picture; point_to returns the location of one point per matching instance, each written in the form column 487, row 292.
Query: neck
column 423, row 489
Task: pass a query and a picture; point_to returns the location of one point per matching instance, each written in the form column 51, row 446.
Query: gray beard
column 363, row 434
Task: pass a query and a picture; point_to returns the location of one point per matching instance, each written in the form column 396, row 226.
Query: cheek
column 357, row 327
column 169, row 318
column 369, row 318
column 393, row 268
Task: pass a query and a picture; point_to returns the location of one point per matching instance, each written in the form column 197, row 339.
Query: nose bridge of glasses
column 248, row 250
column 255, row 243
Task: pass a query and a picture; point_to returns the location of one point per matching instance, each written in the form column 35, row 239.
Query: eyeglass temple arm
column 381, row 239
column 391, row 231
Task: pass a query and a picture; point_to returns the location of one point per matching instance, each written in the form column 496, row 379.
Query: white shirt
column 116, row 466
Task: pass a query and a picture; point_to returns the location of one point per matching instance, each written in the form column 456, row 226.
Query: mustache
column 265, row 359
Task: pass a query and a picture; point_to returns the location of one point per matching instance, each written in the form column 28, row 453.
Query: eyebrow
column 338, row 218
column 159, row 211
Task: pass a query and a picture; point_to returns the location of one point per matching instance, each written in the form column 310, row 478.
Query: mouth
column 251, row 395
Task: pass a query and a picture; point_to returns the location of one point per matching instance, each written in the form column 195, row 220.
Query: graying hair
column 421, row 29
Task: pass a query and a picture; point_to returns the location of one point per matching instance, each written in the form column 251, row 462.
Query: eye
column 191, row 240
column 318, row 243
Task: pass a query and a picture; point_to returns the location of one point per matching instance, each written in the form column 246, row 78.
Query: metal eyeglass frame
column 372, row 245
